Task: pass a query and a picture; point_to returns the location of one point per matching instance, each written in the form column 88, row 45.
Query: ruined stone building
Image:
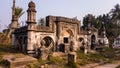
column 59, row 34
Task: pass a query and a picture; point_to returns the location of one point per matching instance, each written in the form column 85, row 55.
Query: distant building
column 59, row 34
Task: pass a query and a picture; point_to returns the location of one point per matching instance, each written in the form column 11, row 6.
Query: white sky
column 67, row 8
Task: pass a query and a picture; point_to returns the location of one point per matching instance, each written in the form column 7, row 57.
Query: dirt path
column 101, row 65
column 107, row 66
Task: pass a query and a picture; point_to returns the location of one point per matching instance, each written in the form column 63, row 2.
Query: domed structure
column 31, row 4
column 31, row 13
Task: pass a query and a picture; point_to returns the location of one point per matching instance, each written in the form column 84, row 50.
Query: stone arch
column 80, row 39
column 68, row 33
column 93, row 41
column 47, row 46
column 68, row 36
column 68, row 41
column 47, row 42
column 81, row 42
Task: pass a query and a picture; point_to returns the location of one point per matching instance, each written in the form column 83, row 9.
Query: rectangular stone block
column 72, row 57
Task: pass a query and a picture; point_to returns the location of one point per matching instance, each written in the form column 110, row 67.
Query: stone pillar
column 13, row 40
column 89, row 43
column 72, row 57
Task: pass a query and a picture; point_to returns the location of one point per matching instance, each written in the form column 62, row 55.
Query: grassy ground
column 106, row 55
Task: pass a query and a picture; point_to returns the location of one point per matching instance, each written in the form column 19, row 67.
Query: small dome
column 31, row 4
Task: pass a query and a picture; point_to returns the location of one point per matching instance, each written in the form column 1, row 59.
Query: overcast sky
column 67, row 8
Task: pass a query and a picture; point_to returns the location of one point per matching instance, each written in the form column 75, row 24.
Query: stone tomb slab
column 15, row 62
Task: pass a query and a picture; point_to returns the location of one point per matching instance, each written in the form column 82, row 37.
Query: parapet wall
column 63, row 19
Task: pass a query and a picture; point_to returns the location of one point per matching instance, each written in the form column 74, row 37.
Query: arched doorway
column 81, row 43
column 47, row 46
column 68, row 42
column 25, row 44
column 93, row 42
column 47, row 42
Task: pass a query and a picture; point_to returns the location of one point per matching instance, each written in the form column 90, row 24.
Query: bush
column 83, row 62
column 5, row 63
column 84, row 59
column 96, row 57
column 41, row 61
column 57, row 59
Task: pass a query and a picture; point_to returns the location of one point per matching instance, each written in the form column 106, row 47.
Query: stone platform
column 15, row 62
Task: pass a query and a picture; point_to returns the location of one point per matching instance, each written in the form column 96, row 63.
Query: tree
column 115, row 13
column 18, row 12
column 42, row 21
column 88, row 20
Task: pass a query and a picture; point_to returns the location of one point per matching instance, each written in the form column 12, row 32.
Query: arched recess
column 25, row 44
column 68, row 33
column 47, row 42
column 80, row 39
column 68, row 41
column 20, row 39
column 81, row 43
column 93, row 41
column 68, row 36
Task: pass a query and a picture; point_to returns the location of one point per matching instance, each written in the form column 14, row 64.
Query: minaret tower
column 13, row 8
column 31, row 24
column 31, row 13
column 14, row 23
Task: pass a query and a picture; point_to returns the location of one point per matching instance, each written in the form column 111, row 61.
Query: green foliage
column 82, row 58
column 72, row 65
column 32, row 66
column 5, row 63
column 19, row 12
column 109, row 53
column 106, row 56
column 96, row 58
column 110, row 20
column 57, row 59
column 88, row 19
column 41, row 61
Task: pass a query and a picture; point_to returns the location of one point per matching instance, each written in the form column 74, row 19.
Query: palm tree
column 18, row 12
column 115, row 13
